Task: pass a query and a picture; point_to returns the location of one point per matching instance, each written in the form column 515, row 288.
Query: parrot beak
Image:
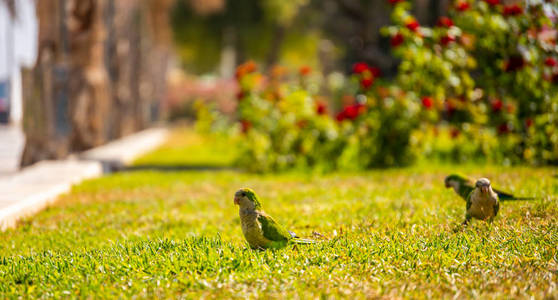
column 447, row 184
column 236, row 201
column 484, row 189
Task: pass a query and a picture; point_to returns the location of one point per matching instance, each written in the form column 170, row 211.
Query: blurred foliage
column 490, row 71
column 481, row 85
column 282, row 12
column 284, row 122
column 253, row 29
column 327, row 34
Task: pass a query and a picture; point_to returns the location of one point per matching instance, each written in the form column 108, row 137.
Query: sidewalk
column 34, row 188
column 30, row 190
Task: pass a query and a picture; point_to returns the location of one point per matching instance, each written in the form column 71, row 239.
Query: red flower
column 445, row 22
column 463, row 6
column 375, row 71
column 497, row 105
column 492, row 2
column 367, row 82
column 250, row 66
column 447, row 39
column 321, row 108
column 503, row 129
column 360, row 67
column 397, row 40
column 340, row 116
column 412, row 25
column 304, row 70
column 393, row 2
column 454, row 133
column 245, row 68
column 355, row 110
column 550, row 61
column 239, row 73
column 512, row 10
column 350, row 112
column 427, row 102
column 529, row 122
column 240, row 95
column 246, row 125
column 515, row 63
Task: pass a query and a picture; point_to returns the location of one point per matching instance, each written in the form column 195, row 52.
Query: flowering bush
column 488, row 70
column 283, row 125
column 377, row 125
column 484, row 78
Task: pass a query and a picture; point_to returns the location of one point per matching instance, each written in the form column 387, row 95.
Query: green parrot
column 464, row 185
column 482, row 202
column 260, row 230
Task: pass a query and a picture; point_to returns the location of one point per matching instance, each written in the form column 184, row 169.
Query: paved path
column 37, row 186
column 27, row 192
column 12, row 142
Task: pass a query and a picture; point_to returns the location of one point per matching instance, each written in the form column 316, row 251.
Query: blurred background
column 450, row 80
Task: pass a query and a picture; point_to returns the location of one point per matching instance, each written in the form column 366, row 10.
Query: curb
column 117, row 154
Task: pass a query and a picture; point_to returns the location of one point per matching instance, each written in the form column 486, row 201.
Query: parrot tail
column 303, row 241
column 519, row 198
column 503, row 196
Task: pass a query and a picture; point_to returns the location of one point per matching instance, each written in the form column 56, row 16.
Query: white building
column 18, row 49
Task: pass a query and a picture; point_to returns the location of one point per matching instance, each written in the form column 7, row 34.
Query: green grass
column 166, row 232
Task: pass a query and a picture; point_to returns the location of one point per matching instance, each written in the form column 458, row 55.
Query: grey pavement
column 12, row 142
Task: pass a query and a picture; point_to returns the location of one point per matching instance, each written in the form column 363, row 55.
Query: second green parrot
column 464, row 185
column 482, row 202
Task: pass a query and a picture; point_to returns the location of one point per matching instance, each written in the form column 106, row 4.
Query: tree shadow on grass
column 110, row 167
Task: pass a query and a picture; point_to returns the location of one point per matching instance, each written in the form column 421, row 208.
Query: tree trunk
column 100, row 74
column 89, row 84
column 40, row 89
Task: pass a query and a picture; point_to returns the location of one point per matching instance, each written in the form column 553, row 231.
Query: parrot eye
column 243, row 194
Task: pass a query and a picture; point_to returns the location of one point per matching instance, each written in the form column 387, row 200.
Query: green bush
column 282, row 125
column 490, row 72
column 378, row 128
column 482, row 84
column 285, row 125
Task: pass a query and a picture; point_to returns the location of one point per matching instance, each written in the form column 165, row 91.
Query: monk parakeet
column 482, row 202
column 259, row 229
column 464, row 185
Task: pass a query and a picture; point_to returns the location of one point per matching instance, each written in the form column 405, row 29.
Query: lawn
column 168, row 228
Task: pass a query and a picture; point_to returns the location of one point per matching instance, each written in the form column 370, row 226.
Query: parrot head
column 455, row 181
column 247, row 198
column 483, row 184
